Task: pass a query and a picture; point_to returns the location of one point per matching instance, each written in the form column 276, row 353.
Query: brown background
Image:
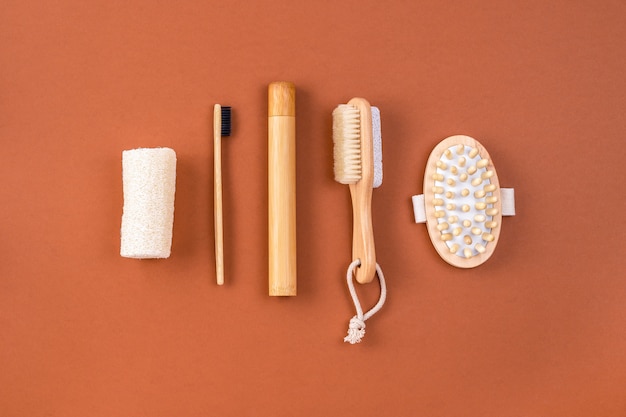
column 539, row 330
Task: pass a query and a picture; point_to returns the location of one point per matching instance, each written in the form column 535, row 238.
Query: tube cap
column 281, row 99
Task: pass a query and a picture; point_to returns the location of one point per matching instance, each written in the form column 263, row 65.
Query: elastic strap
column 508, row 204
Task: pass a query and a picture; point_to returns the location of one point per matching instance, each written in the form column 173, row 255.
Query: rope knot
column 356, row 331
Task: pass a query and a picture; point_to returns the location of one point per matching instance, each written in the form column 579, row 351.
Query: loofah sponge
column 149, row 179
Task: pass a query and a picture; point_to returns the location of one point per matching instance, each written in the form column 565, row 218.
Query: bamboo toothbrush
column 221, row 127
column 358, row 162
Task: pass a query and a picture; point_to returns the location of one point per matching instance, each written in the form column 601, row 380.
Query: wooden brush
column 462, row 201
column 358, row 163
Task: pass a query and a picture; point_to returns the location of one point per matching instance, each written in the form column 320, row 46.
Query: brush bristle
column 226, row 127
column 347, row 144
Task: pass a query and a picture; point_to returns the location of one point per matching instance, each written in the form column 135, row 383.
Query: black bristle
column 225, row 120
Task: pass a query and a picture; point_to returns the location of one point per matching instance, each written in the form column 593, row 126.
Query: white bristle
column 347, row 144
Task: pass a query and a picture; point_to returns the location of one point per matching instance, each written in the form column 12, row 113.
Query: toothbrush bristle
column 347, row 144
column 226, row 126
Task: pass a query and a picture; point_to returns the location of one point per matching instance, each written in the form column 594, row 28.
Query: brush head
column 462, row 201
column 347, row 151
column 226, row 126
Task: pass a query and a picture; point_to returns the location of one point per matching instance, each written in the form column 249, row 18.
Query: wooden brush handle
column 361, row 193
column 282, row 188
column 217, row 193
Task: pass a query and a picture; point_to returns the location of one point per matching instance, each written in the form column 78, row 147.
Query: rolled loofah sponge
column 149, row 179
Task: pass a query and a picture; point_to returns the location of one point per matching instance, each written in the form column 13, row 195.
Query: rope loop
column 356, row 328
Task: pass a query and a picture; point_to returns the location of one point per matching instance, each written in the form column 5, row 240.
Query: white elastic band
column 508, row 201
column 356, row 330
column 419, row 210
column 508, row 204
